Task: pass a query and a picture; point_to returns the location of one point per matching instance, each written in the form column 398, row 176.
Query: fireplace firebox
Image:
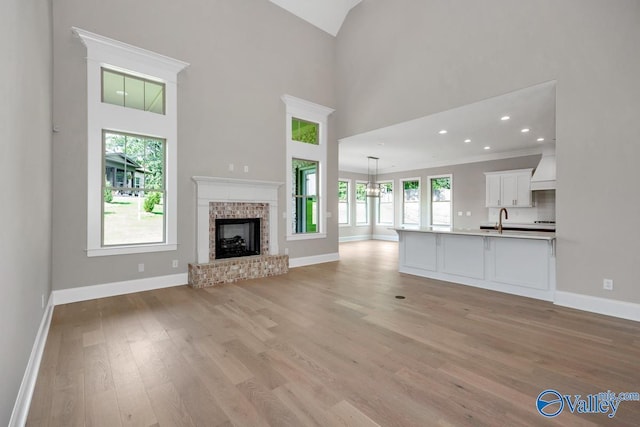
column 237, row 237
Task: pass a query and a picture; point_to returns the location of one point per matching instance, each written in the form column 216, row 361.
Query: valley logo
column 550, row 403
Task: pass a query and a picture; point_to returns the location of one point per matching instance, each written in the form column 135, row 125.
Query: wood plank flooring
column 329, row 345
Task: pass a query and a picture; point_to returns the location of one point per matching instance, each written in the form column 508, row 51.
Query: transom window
column 133, row 189
column 132, row 92
column 304, row 131
column 385, row 203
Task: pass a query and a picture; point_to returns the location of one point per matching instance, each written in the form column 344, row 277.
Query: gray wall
column 353, row 231
column 25, row 168
column 405, row 59
column 244, row 55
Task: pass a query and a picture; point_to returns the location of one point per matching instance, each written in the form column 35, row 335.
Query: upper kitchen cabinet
column 508, row 188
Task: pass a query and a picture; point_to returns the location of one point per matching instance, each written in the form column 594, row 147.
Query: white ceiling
column 417, row 144
column 328, row 15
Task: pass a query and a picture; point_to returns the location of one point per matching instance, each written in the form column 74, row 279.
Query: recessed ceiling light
column 540, row 139
column 503, row 118
column 525, row 130
column 467, row 141
column 487, row 148
column 442, row 132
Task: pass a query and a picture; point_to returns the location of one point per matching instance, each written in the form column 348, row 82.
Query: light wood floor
column 329, row 345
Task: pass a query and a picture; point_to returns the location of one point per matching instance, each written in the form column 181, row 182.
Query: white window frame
column 401, row 186
column 367, row 206
column 393, row 189
column 103, row 52
column 309, row 111
column 429, row 178
column 349, row 190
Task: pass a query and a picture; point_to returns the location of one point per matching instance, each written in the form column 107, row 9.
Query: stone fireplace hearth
column 235, row 200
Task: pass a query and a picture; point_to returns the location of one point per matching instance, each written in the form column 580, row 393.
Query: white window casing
column 113, row 54
column 309, row 111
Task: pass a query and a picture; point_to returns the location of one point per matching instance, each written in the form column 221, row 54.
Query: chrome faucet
column 506, row 216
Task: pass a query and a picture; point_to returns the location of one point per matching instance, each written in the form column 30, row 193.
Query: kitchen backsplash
column 544, row 209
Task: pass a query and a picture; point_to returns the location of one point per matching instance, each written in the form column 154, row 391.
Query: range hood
column 544, row 177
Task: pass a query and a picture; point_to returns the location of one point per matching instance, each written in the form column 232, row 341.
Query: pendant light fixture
column 373, row 188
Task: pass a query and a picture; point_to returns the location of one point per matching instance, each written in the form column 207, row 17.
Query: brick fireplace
column 235, row 199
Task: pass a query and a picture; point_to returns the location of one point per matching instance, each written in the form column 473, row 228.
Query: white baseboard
column 25, row 394
column 84, row 293
column 354, row 238
column 609, row 307
column 386, row 237
column 315, row 259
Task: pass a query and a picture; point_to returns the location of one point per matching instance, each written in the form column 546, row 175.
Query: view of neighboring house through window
column 385, row 203
column 343, row 202
column 132, row 92
column 305, row 196
column 362, row 204
column 411, row 201
column 441, row 208
column 133, row 189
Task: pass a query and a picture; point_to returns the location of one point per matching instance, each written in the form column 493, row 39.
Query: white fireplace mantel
column 214, row 189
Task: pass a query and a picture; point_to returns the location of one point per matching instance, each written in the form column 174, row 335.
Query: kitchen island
column 515, row 262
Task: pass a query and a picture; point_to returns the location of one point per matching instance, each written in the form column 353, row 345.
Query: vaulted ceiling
column 328, row 15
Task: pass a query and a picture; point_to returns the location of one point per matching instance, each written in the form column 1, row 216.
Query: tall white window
column 344, row 197
column 410, row 201
column 440, row 207
column 362, row 203
column 132, row 146
column 306, row 131
column 385, row 203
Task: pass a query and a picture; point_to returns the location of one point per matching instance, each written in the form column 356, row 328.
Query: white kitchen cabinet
column 508, row 188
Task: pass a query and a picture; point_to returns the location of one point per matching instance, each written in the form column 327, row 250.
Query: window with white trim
column 344, row 199
column 132, row 144
column 385, row 203
column 362, row 203
column 410, row 201
column 440, row 206
column 306, row 140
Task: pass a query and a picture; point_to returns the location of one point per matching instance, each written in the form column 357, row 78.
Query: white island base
column 520, row 263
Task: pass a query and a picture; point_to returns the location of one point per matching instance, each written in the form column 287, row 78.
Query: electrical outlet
column 607, row 284
column 231, row 167
column 140, row 268
column 174, row 263
column 459, row 213
column 468, row 213
column 246, row 168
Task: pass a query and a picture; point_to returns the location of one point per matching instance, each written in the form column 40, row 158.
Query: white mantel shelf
column 217, row 189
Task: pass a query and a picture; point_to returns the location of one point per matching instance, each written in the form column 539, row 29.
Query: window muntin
column 441, row 207
column 343, row 202
column 362, row 204
column 133, row 189
column 305, row 131
column 131, row 91
column 305, row 196
column 385, row 203
column 411, row 202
